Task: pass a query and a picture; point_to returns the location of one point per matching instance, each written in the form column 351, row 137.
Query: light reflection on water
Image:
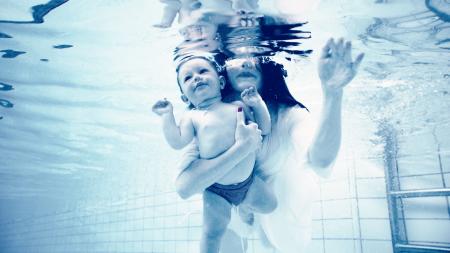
column 76, row 90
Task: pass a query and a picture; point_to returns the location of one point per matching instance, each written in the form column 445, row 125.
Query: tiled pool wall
column 352, row 214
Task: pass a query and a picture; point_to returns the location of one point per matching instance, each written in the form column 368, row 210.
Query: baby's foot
column 186, row 10
column 246, row 216
column 245, row 5
column 167, row 19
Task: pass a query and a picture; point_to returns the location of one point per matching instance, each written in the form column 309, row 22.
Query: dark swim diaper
column 233, row 193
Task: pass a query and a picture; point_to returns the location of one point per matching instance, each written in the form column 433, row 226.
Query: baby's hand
column 162, row 107
column 251, row 97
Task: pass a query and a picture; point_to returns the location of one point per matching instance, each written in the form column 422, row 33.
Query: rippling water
column 77, row 80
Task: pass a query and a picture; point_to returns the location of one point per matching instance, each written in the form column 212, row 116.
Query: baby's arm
column 177, row 136
column 251, row 98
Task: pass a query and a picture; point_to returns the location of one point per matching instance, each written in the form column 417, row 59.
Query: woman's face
column 244, row 73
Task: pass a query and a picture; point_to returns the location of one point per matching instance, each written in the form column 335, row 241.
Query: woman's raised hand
column 336, row 67
column 249, row 134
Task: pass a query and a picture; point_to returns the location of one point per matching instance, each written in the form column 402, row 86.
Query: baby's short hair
column 210, row 57
column 216, row 60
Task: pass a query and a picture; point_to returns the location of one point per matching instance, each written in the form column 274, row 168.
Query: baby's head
column 200, row 80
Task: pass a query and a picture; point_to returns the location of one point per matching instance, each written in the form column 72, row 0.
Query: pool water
column 84, row 166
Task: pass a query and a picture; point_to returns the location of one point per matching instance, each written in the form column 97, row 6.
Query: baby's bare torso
column 215, row 132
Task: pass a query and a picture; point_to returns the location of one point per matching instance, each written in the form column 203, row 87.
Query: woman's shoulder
column 292, row 118
column 297, row 109
column 293, row 114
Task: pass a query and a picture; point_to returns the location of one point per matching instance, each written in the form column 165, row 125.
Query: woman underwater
column 290, row 157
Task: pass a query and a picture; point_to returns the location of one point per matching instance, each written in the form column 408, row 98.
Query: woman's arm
column 336, row 70
column 201, row 173
column 326, row 141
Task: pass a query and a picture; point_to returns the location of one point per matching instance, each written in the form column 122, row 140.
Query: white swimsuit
column 283, row 165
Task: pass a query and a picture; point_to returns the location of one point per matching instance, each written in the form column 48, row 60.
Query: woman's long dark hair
column 274, row 88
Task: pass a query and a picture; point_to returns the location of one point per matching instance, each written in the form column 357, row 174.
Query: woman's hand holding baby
column 249, row 136
column 162, row 107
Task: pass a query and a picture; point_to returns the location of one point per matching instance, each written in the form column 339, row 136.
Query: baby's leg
column 187, row 7
column 216, row 216
column 171, row 9
column 259, row 197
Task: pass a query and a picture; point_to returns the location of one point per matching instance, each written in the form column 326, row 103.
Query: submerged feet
column 246, row 215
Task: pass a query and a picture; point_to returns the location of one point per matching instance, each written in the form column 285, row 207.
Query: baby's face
column 199, row 80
